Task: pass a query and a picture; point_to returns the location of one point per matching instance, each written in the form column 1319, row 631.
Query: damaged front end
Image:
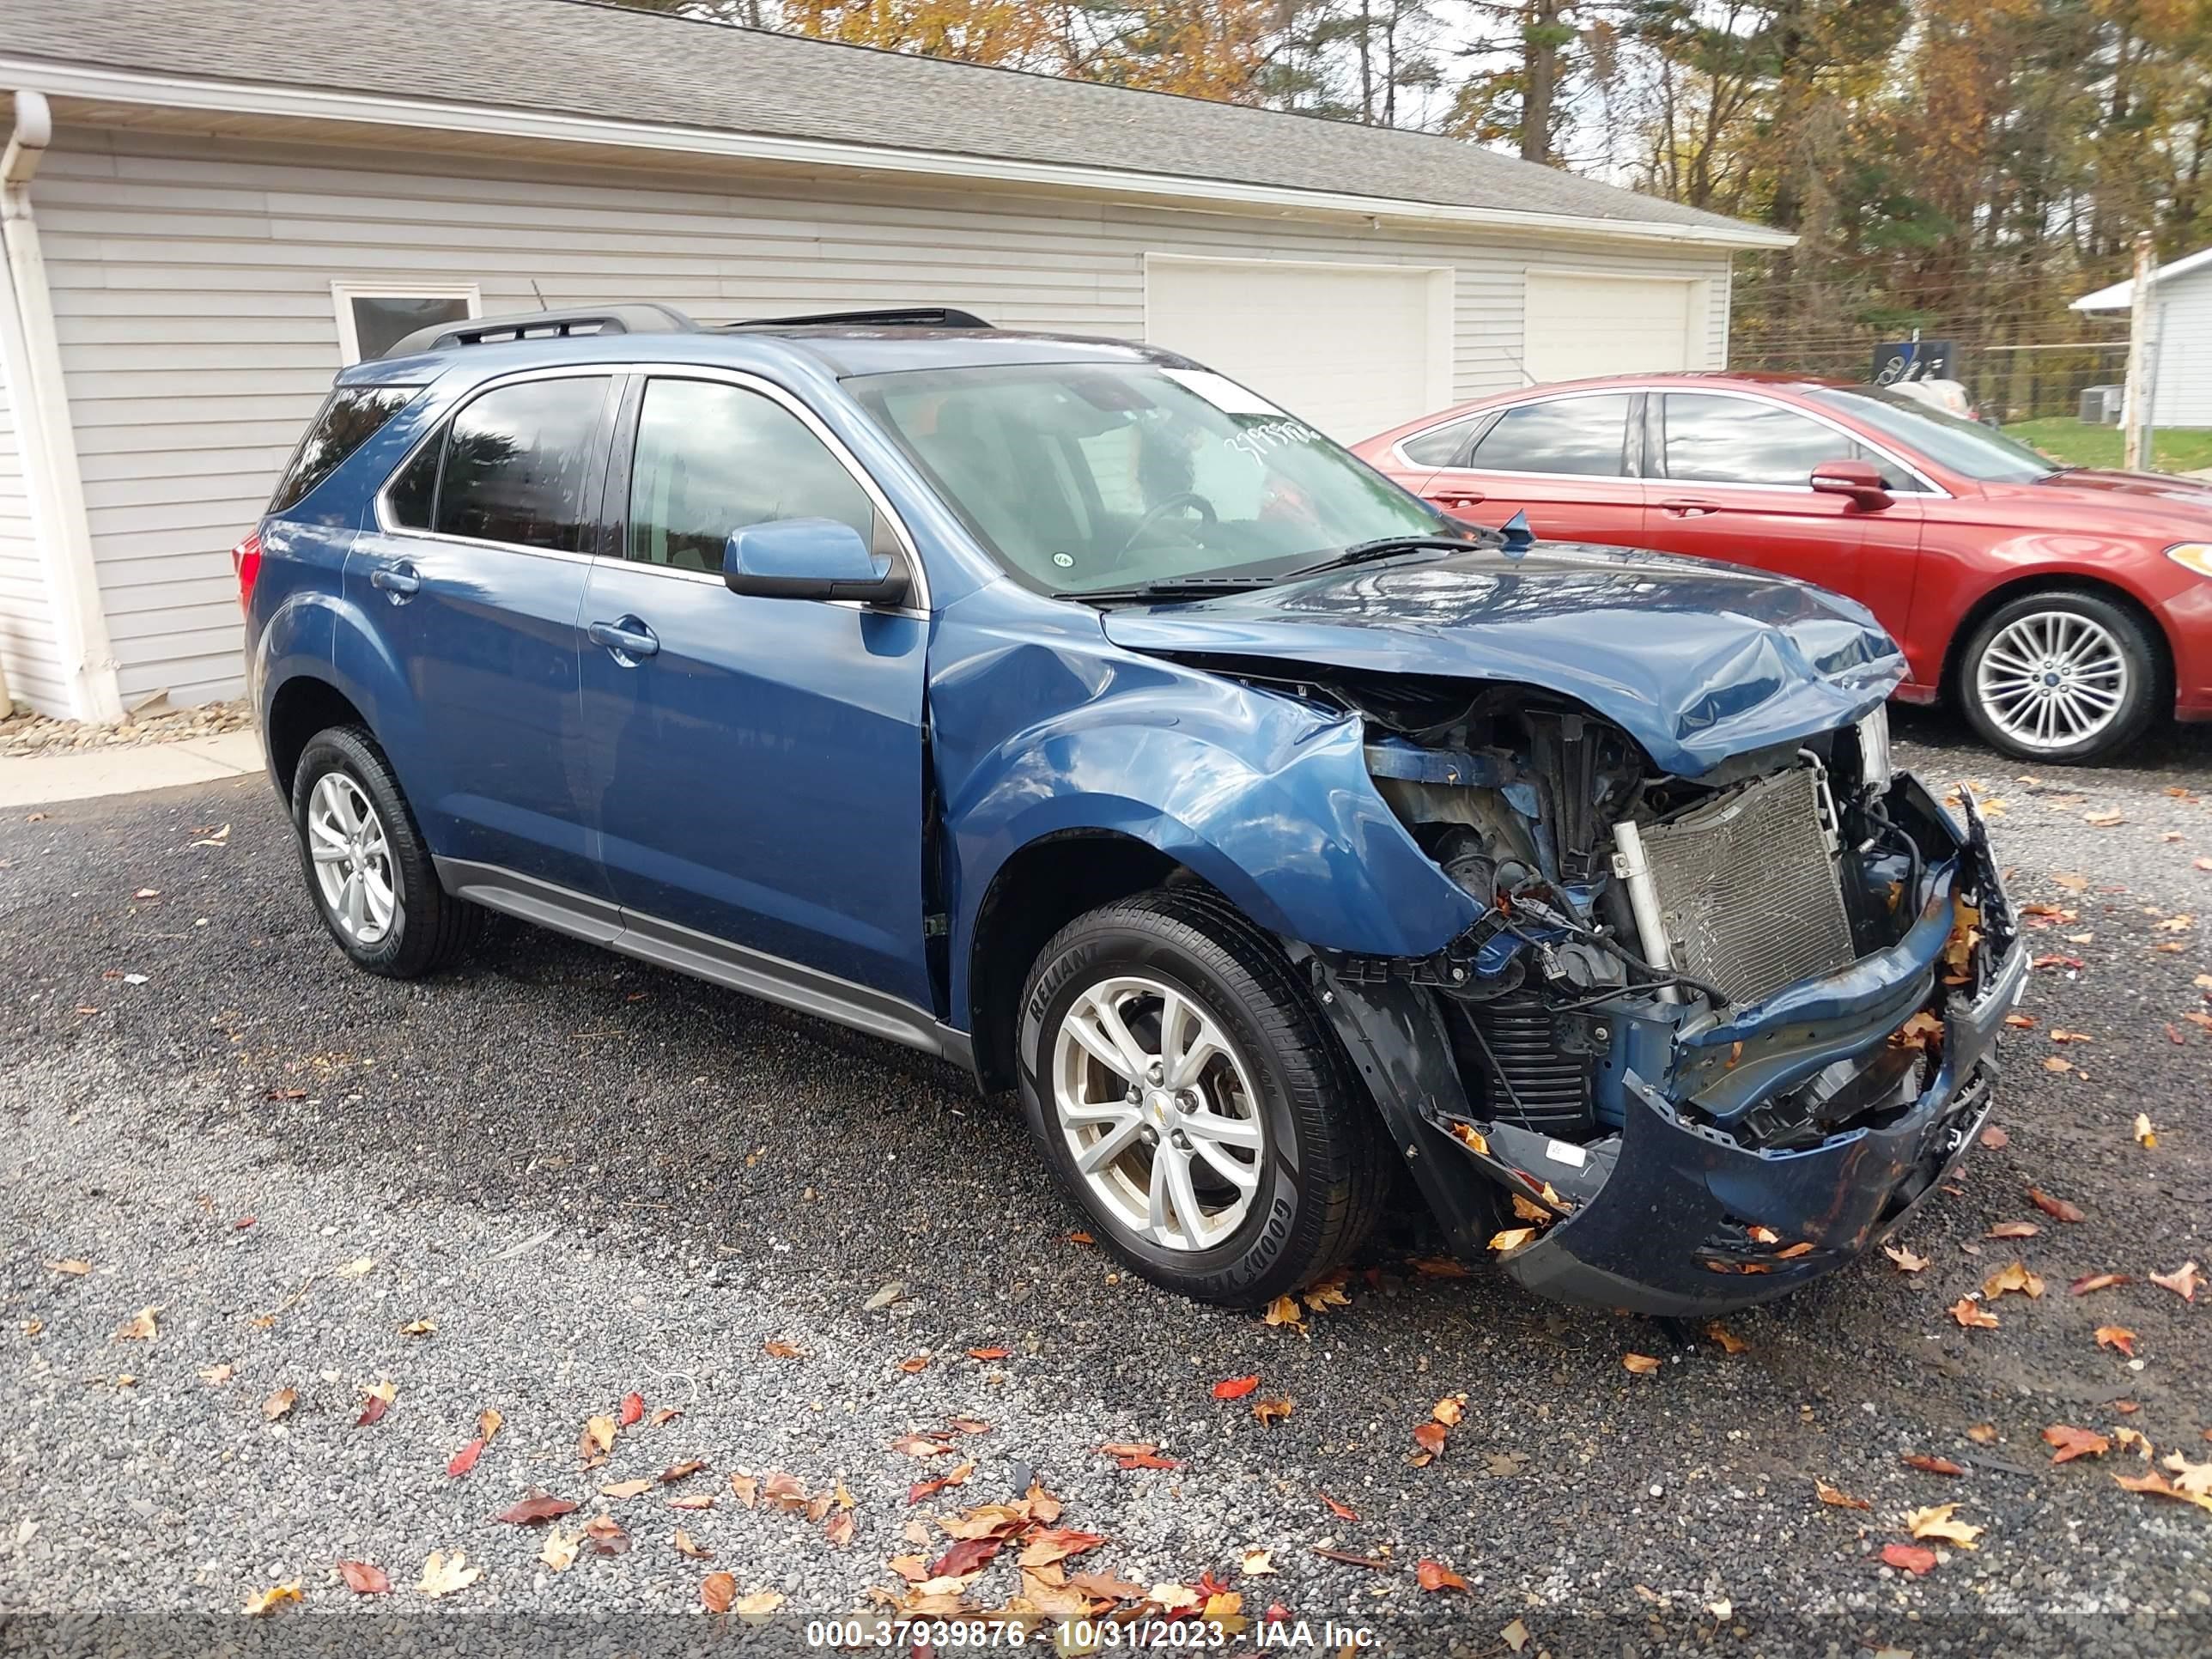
column 1708, row 1037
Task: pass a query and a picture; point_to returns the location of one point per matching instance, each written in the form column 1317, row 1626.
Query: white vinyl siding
column 30, row 652
column 192, row 286
column 2183, row 308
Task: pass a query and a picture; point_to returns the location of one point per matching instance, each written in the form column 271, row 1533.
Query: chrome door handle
column 398, row 582
column 628, row 641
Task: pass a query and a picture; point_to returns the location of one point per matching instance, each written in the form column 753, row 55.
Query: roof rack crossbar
column 890, row 316
column 643, row 318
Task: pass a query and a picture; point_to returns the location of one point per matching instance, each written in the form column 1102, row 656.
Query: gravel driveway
column 587, row 1179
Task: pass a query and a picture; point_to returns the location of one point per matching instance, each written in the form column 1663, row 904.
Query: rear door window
column 519, row 463
column 1587, row 436
column 1440, row 445
column 351, row 416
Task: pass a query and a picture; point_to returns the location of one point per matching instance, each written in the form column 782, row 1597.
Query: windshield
column 1964, row 446
column 1084, row 477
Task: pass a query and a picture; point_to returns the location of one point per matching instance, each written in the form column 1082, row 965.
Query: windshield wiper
column 1388, row 547
column 1172, row 587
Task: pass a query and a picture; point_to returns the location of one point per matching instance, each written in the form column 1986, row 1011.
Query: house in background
column 2180, row 326
column 234, row 200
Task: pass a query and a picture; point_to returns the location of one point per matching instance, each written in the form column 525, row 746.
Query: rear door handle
column 1456, row 496
column 1683, row 508
column 627, row 640
column 398, row 581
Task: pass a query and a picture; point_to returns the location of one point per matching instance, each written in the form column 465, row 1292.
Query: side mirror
column 1859, row 480
column 808, row 559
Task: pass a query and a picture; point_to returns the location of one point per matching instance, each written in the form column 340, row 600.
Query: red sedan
column 2062, row 608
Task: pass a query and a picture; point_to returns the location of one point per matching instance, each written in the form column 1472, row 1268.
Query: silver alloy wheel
column 352, row 859
column 2053, row 679
column 1158, row 1112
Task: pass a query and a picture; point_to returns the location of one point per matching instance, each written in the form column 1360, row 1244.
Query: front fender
column 1264, row 796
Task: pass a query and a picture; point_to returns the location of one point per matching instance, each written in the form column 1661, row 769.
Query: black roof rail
column 642, row 318
column 892, row 317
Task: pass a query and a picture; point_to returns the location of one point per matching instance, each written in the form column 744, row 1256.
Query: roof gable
column 2120, row 296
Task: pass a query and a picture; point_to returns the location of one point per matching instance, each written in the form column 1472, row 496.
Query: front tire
column 1182, row 1086
column 366, row 866
column 2061, row 678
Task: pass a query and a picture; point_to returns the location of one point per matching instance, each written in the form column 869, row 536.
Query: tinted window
column 351, row 416
column 1568, row 434
column 413, row 492
column 1440, row 445
column 1731, row 440
column 1963, row 446
column 713, row 458
column 518, row 461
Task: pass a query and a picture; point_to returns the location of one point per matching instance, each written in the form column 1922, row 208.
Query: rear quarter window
column 351, row 416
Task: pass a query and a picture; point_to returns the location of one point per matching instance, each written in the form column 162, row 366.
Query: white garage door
column 1584, row 325
column 1353, row 350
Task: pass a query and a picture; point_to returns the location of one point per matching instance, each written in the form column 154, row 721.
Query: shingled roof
column 611, row 64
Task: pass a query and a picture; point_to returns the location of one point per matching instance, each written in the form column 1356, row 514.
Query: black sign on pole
column 1915, row 359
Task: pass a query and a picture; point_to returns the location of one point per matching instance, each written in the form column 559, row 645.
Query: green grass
column 2071, row 443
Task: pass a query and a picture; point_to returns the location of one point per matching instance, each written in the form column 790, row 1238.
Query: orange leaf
column 1972, row 1314
column 2057, row 1208
column 1430, row 1438
column 363, row 1579
column 990, row 1353
column 632, row 1409
column 2095, row 1282
column 2073, row 1443
column 1236, row 1388
column 1730, row 1341
column 1908, row 1557
column 2013, row 1276
column 1642, row 1363
column 1342, row 1511
column 536, row 1507
column 1983, row 1434
column 777, row 1348
column 1267, row 1412
column 717, row 1591
column 1841, row 1500
column 1932, row 1465
column 1906, row 1261
column 2117, row 1336
column 2013, row 1230
column 1436, row 1576
column 465, row 1458
column 914, row 1366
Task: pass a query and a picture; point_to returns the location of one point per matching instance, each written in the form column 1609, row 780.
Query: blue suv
column 1065, row 710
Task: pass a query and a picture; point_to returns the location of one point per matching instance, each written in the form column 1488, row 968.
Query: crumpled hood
column 1698, row 662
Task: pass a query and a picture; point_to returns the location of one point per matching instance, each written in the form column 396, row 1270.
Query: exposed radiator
column 1748, row 888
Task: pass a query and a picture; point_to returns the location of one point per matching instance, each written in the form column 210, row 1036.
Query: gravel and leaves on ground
column 24, row 731
column 562, row 1289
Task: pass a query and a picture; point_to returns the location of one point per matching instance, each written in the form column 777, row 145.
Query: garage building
column 212, row 204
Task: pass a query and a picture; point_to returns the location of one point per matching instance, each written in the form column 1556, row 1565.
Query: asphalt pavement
column 589, row 1179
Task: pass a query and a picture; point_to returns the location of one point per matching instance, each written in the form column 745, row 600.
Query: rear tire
column 366, row 866
column 2060, row 677
column 1279, row 1151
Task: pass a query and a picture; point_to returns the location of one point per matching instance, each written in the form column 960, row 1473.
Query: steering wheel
column 1174, row 503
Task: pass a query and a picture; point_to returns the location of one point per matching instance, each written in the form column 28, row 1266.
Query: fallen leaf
column 489, row 1422
column 1841, row 1500
column 1516, row 1636
column 2073, row 1443
column 2146, row 1137
column 218, row 1374
column 746, row 1488
column 662, row 1417
column 1285, row 1311
column 922, row 1489
column 72, row 1267
column 1327, row 1291
column 1258, row 1563
column 717, row 1591
column 1057, row 1544
column 536, row 1507
column 779, row 1349
column 2194, row 1478
column 1236, row 1388
column 2057, row 1208
column 418, row 1328
column 279, row 1403
column 2125, row 1437
column 683, row 1545
column 355, row 1268
column 2104, row 819
column 441, row 1577
column 606, row 1536
column 838, row 1529
column 1440, row 1266
column 2117, row 1336
column 696, row 1500
column 2013, row 1276
column 1268, row 1412
column 598, row 1439
column 1434, row 1576
column 2095, row 1282
column 261, row 1603
column 1730, row 1343
column 2157, row 1486
column 1511, row 1238
column 1973, row 1316
column 683, row 1471
column 1983, row 1434
column 1430, row 1438
column 140, row 1327
column 633, row 1409
column 1081, row 1238
column 2183, row 1281
column 755, row 1608
column 1936, row 1521
column 364, row 1579
column 1450, row 1410
column 2012, row 1230
column 376, row 1400
column 1931, row 1465
column 626, row 1489
column 914, row 1366
column 1906, row 1261
column 1995, row 1140
column 1642, row 1363
column 1908, row 1557
column 1342, row 1511
column 465, row 1458
column 989, row 1354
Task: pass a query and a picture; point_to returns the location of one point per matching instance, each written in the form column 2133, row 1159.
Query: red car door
column 1731, row 481
column 1563, row 461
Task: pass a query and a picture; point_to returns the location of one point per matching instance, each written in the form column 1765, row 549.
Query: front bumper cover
column 1676, row 1215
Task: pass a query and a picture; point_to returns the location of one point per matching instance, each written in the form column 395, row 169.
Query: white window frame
column 343, row 294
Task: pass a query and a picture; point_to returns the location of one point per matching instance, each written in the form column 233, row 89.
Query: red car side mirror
column 1859, row 480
